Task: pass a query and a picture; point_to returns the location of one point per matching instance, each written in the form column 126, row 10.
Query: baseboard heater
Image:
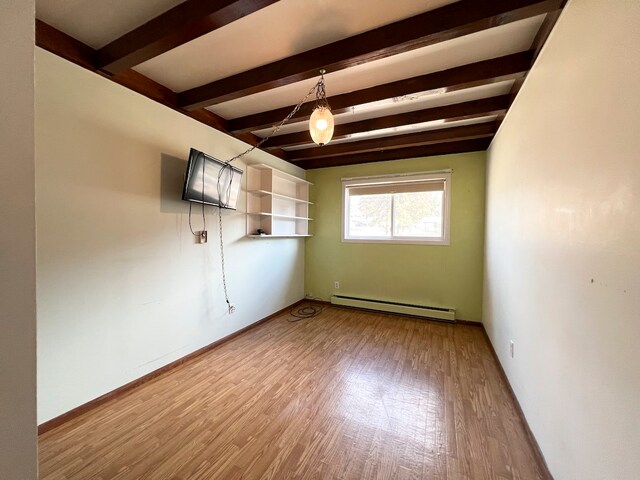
column 438, row 313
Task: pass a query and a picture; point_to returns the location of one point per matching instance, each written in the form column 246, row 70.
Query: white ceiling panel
column 495, row 42
column 387, row 132
column 98, row 22
column 273, row 33
column 403, row 105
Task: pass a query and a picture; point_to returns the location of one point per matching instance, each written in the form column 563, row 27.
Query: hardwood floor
column 346, row 395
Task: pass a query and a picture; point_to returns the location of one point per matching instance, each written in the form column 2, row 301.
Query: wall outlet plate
column 336, row 285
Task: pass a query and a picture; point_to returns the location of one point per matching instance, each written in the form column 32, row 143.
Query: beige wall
column 122, row 287
column 563, row 243
column 435, row 275
column 18, row 442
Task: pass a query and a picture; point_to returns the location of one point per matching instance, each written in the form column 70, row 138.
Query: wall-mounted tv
column 211, row 181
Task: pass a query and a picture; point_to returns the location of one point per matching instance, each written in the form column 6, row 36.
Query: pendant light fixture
column 321, row 121
column 321, row 128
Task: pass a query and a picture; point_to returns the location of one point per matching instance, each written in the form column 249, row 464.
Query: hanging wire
column 277, row 128
column 227, row 166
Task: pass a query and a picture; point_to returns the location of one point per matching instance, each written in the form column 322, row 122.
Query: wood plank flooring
column 345, row 395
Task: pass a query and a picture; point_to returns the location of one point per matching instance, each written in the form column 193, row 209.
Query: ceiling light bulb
column 321, row 125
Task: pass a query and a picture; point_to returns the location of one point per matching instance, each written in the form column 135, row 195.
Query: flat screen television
column 211, row 181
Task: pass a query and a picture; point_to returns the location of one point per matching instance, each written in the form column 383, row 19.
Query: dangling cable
column 276, row 129
column 221, row 204
column 224, row 277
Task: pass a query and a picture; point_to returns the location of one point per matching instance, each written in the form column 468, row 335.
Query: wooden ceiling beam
column 479, row 144
column 457, row 78
column 67, row 47
column 429, row 137
column 545, row 30
column 445, row 23
column 63, row 45
column 536, row 46
column 459, row 111
column 177, row 26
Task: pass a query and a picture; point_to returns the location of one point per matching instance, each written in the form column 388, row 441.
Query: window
column 397, row 209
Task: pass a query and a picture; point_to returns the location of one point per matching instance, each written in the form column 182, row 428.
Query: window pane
column 370, row 216
column 418, row 214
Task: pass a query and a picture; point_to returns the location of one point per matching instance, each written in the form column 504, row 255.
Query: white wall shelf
column 277, row 215
column 264, row 192
column 277, row 203
column 277, row 236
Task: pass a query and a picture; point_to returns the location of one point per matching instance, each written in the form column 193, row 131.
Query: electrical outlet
column 511, row 348
column 336, row 285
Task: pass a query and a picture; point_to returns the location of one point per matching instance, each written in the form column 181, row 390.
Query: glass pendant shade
column 321, row 125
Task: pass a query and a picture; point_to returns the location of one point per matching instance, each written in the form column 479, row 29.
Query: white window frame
column 442, row 175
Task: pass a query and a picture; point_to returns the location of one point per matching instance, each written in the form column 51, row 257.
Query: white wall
column 18, row 441
column 122, row 287
column 562, row 275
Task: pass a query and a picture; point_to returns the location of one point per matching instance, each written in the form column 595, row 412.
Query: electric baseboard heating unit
column 438, row 313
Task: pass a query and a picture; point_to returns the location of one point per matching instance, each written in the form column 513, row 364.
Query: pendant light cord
column 277, row 128
column 227, row 166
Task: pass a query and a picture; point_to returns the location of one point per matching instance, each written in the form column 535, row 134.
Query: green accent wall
column 436, row 275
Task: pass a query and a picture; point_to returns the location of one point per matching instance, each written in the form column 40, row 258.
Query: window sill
column 398, row 241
